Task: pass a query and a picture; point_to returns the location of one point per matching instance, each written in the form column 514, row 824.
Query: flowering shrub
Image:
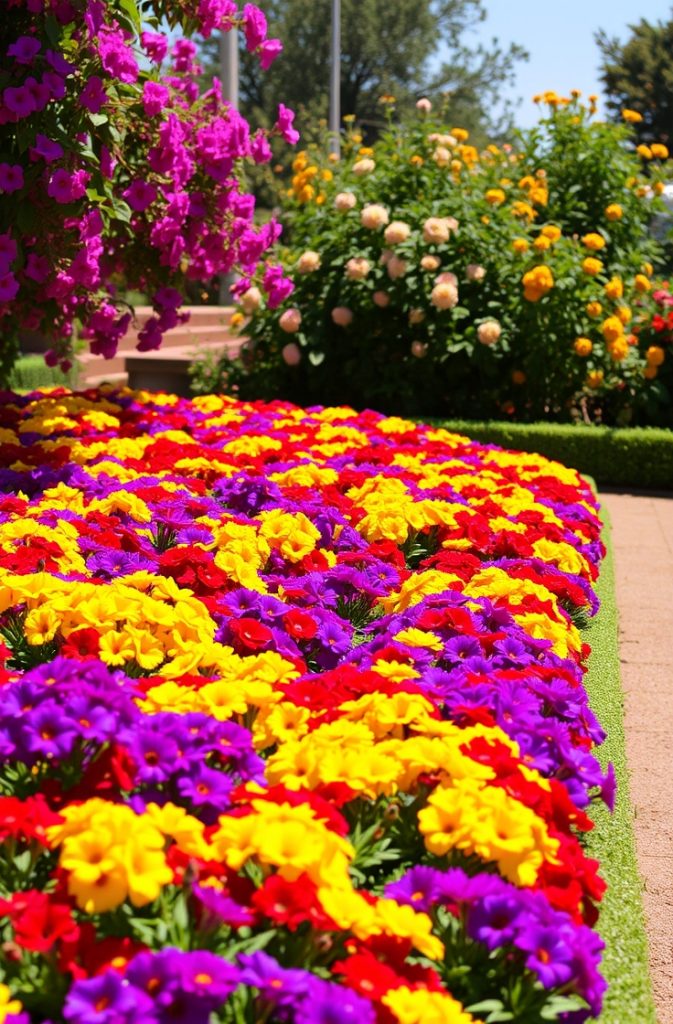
column 293, row 725
column 655, row 340
column 116, row 169
column 436, row 279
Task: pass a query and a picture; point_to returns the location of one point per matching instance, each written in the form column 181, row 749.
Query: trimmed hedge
column 640, row 457
column 30, row 372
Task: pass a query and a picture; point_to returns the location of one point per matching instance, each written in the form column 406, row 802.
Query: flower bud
column 290, row 321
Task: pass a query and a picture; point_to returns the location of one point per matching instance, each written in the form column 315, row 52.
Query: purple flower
column 222, row 909
column 19, row 101
column 45, row 149
column 278, row 985
column 9, row 287
column 11, row 177
column 494, row 919
column 207, row 790
column 108, row 999
column 154, row 754
column 549, row 955
column 24, row 50
column 116, row 55
column 65, row 186
column 420, row 887
column 284, row 124
column 328, row 1003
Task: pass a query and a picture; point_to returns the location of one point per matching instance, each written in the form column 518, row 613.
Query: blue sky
column 560, row 39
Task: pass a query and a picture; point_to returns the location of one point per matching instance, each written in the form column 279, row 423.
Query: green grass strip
column 622, row 923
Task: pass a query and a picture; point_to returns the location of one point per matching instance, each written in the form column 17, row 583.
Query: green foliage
column 31, row 372
column 512, row 287
column 639, row 457
column 638, row 75
column 388, row 46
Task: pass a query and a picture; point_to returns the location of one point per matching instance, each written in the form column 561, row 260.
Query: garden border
column 640, row 457
column 629, row 999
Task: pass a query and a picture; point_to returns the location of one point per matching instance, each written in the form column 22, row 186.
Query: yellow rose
column 594, row 308
column 612, row 329
column 582, row 346
column 632, row 116
column 537, row 282
column 641, row 283
column 614, row 289
column 592, row 266
column 495, row 196
column 520, row 245
column 614, row 211
column 655, row 355
column 551, row 231
column 659, row 151
column 593, row 241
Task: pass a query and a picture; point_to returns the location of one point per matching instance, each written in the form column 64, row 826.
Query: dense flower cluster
column 117, row 170
column 293, row 725
column 463, row 279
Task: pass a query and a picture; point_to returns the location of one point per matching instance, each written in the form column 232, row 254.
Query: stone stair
column 166, row 369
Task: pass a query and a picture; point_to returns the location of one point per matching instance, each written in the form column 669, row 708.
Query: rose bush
column 117, row 171
column 435, row 279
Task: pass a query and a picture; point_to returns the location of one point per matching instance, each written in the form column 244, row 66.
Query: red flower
column 300, row 625
column 249, row 634
column 82, row 643
column 292, row 903
column 38, row 920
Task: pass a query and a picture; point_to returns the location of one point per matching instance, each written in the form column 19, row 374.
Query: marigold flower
column 631, row 116
column 495, row 196
column 537, row 282
column 592, row 266
column 593, row 241
column 583, row 346
column 614, row 212
column 642, row 283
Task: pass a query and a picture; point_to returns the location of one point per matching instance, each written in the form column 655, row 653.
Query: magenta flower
column 284, row 124
column 37, row 268
column 9, row 288
column 11, row 177
column 255, row 27
column 19, row 101
column 268, row 51
column 155, row 98
column 45, row 149
column 139, row 195
column 66, row 187
column 93, row 95
column 155, row 45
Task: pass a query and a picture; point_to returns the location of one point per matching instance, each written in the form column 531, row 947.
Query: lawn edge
column 629, row 999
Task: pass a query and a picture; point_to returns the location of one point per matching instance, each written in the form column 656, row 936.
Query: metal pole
column 229, row 80
column 229, row 66
column 335, row 80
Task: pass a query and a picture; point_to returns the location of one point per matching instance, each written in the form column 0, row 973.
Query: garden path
column 642, row 537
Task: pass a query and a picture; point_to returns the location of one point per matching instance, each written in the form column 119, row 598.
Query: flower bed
column 293, row 724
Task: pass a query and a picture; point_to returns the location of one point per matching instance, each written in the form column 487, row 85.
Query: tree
column 116, row 171
column 638, row 75
column 388, row 46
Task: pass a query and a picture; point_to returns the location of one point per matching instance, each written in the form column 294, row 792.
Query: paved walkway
column 643, row 548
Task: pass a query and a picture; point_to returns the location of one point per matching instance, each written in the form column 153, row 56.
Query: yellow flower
column 421, row 1006
column 659, row 151
column 541, row 243
column 582, row 346
column 612, row 328
column 632, row 116
column 614, row 211
column 644, row 151
column 537, row 282
column 8, row 1006
column 594, row 379
column 495, row 196
column 593, row 241
column 650, row 372
column 594, row 308
column 551, row 231
column 624, row 313
column 614, row 289
column 655, row 355
column 592, row 266
column 641, row 283
column 520, row 245
column 460, row 134
column 618, row 349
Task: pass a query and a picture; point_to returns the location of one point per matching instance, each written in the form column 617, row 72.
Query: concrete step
column 199, row 315
column 168, row 370
column 180, row 336
column 94, row 380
